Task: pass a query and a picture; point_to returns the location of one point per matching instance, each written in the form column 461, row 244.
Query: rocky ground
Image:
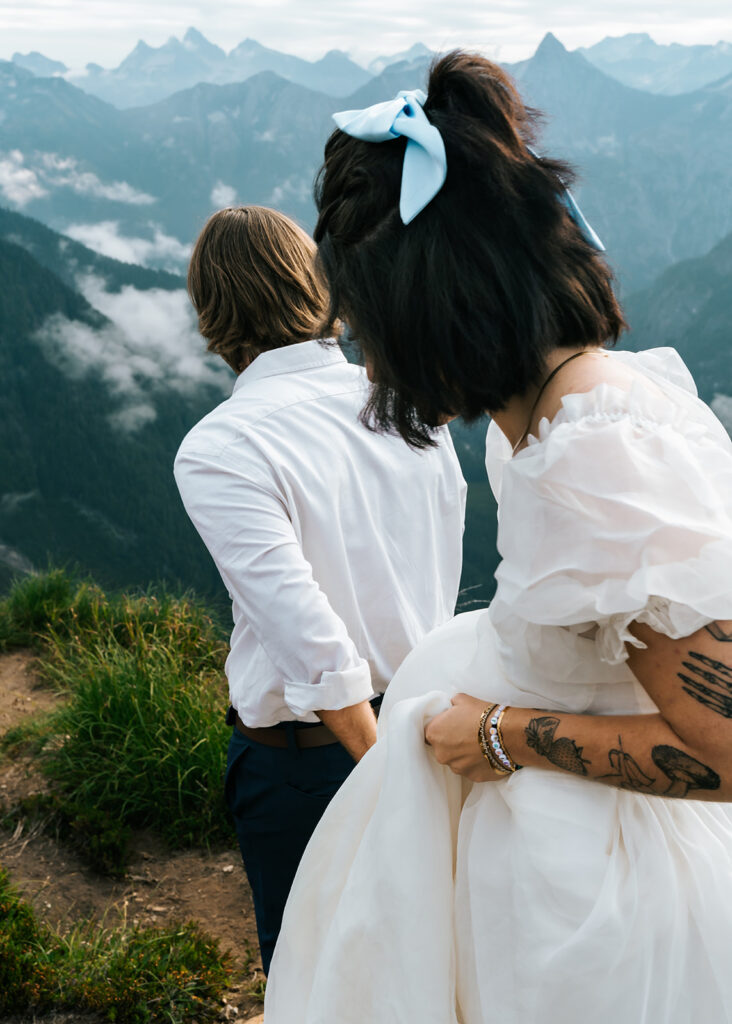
column 160, row 887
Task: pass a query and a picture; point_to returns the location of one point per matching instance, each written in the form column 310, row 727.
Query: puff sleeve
column 620, row 511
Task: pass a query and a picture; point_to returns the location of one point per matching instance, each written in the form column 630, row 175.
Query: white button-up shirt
column 340, row 548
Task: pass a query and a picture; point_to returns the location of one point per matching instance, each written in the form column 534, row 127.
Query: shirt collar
column 304, row 355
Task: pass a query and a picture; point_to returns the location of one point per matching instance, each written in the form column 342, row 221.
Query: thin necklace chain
column 541, row 391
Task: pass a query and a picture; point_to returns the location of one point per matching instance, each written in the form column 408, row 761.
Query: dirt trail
column 160, row 886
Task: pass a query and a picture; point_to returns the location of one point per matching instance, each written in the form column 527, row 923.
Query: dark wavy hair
column 457, row 311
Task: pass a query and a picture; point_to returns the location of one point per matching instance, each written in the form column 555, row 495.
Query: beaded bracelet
column 512, row 766
column 485, row 746
column 494, row 741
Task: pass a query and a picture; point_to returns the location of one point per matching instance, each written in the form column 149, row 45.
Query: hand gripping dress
column 544, row 898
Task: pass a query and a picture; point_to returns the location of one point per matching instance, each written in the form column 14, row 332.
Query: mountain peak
column 38, row 64
column 335, row 58
column 635, row 37
column 195, row 41
column 194, row 36
column 550, row 46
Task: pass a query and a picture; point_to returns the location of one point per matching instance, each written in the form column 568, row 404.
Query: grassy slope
column 141, row 740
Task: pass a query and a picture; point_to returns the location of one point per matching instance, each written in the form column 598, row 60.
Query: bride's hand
column 453, row 736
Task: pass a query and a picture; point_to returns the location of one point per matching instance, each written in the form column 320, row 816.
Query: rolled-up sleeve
column 242, row 518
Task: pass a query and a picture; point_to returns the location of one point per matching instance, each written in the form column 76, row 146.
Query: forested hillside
column 78, row 486
column 690, row 308
column 94, row 407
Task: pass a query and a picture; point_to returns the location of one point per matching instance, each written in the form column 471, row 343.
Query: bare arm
column 355, row 727
column 685, row 750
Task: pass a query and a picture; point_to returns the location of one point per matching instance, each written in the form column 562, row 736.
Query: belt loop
column 291, row 734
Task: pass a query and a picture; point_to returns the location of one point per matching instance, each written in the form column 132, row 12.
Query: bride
column 559, row 851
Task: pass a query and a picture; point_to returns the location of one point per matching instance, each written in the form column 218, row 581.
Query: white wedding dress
column 544, row 898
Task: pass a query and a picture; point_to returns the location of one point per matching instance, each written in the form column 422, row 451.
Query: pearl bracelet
column 492, row 745
column 488, row 752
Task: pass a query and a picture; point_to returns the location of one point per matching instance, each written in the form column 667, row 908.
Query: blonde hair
column 255, row 286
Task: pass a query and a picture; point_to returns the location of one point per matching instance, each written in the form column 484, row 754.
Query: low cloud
column 129, row 419
column 64, row 172
column 24, row 177
column 11, row 502
column 222, row 195
column 18, row 183
column 293, row 187
column 163, row 251
column 150, row 346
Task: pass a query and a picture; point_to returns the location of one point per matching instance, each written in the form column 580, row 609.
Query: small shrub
column 33, row 604
column 131, row 976
column 51, row 609
column 141, row 740
column 145, row 740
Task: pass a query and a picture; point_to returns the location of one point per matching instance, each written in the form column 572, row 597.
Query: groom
column 339, row 547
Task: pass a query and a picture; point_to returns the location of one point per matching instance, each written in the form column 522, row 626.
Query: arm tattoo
column 626, row 769
column 564, row 753
column 710, row 684
column 723, row 635
column 684, row 771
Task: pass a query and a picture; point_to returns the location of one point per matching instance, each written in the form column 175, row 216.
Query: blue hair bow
column 425, row 163
column 568, row 200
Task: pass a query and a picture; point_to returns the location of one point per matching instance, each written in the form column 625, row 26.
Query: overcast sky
column 78, row 31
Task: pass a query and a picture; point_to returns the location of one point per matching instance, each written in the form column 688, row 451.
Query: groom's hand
column 453, row 736
column 354, row 726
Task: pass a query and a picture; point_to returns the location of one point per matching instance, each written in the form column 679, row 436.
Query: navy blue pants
column 277, row 796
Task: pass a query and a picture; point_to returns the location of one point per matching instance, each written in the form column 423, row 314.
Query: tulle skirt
column 540, row 899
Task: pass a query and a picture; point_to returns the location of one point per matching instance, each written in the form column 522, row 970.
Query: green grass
column 53, row 609
column 141, row 739
column 129, row 975
column 144, row 738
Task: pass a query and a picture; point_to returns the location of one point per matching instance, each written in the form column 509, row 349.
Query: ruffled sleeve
column 621, row 510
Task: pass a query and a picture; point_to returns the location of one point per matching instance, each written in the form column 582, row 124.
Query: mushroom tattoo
column 684, row 771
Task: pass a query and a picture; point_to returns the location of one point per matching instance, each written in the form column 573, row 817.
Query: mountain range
column 636, row 60
column 152, row 73
column 138, row 183
column 102, row 366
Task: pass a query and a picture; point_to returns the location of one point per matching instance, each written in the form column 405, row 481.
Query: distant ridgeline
column 137, row 182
